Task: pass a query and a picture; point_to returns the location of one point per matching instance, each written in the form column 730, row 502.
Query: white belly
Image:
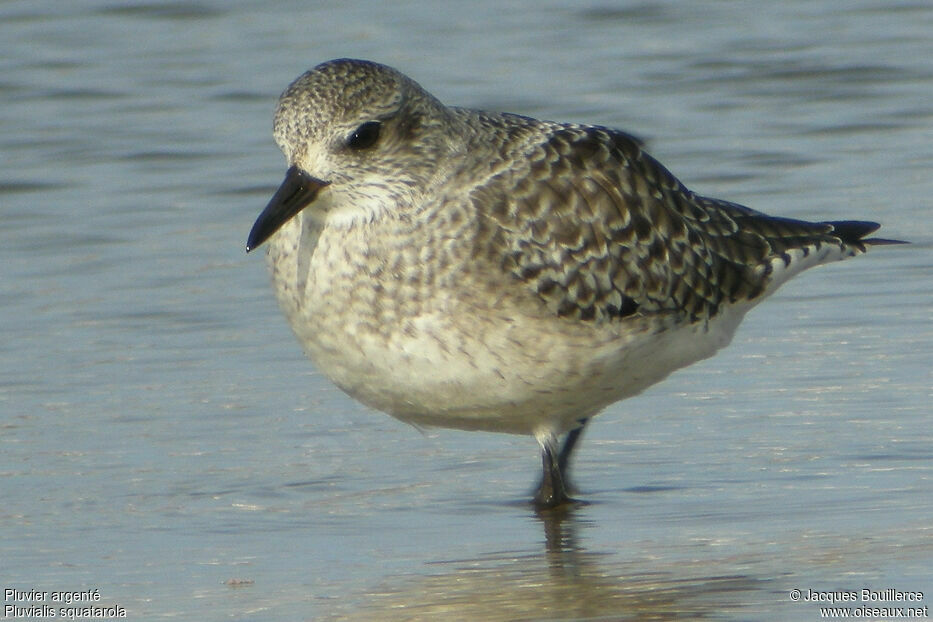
column 452, row 359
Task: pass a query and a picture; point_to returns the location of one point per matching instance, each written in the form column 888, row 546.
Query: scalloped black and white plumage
column 489, row 271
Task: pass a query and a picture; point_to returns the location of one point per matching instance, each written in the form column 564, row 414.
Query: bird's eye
column 365, row 136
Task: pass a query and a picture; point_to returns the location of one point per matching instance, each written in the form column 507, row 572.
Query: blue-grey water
column 163, row 440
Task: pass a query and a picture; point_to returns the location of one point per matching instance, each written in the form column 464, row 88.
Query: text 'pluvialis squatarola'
column 488, row 271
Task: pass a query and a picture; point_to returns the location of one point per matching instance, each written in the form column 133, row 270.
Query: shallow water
column 162, row 439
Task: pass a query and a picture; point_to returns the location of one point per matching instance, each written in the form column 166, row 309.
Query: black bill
column 296, row 193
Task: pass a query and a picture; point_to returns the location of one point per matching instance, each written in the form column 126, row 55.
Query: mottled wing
column 598, row 230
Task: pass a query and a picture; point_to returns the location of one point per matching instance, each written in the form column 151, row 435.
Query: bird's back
column 599, row 231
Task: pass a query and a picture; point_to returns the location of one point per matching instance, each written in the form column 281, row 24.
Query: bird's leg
column 555, row 483
column 563, row 459
column 551, row 493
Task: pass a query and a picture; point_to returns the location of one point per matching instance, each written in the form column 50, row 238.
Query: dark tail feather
column 853, row 232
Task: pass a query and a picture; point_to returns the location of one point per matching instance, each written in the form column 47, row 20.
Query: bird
column 488, row 271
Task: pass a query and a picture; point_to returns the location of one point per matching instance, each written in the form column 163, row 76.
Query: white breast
column 452, row 359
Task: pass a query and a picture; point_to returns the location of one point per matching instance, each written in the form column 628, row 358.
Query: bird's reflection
column 561, row 549
column 561, row 581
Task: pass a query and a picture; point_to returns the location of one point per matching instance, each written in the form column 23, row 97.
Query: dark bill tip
column 296, row 193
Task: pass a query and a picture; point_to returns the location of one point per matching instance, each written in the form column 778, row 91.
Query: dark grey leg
column 563, row 459
column 552, row 491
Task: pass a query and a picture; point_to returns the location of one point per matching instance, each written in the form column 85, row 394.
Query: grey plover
column 488, row 271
